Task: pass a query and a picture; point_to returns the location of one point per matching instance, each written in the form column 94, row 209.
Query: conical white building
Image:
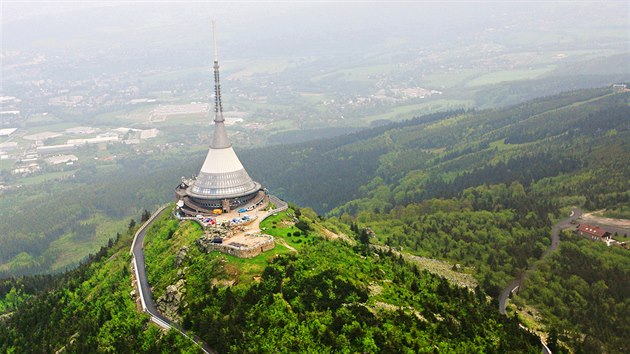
column 222, row 182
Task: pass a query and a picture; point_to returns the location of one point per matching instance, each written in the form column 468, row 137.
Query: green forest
column 570, row 148
column 476, row 189
column 88, row 309
column 327, row 297
column 582, row 291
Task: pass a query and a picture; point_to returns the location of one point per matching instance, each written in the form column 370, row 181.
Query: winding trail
column 146, row 298
column 555, row 242
column 285, row 244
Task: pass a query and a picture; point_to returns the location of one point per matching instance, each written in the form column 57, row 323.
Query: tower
column 222, row 182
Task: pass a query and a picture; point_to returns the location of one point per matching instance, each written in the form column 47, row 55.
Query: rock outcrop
column 210, row 236
column 181, row 256
column 170, row 302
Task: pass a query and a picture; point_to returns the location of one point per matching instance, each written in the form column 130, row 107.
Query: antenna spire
column 214, row 42
column 218, row 106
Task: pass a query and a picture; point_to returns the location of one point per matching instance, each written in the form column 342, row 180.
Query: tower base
column 196, row 206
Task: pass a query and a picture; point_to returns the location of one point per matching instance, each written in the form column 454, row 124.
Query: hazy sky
column 169, row 29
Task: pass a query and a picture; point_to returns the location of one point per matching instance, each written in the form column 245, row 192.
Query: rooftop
column 7, row 131
column 592, row 230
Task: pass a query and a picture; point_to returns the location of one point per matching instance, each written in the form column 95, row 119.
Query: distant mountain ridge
column 541, row 138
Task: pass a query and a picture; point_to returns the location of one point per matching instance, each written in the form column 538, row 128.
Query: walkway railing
column 281, row 205
column 145, row 225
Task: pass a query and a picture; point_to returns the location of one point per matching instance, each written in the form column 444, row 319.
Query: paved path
column 148, row 306
column 555, row 242
column 280, row 204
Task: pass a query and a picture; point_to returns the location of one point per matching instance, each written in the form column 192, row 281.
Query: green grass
column 257, row 66
column 449, row 79
column 21, row 261
column 623, row 212
column 6, row 165
column 52, row 127
column 621, row 238
column 197, row 119
column 67, row 250
column 281, row 125
column 40, row 119
column 358, row 74
column 248, row 269
column 313, row 97
column 282, row 226
column 407, row 111
column 45, row 177
column 173, row 76
column 509, row 75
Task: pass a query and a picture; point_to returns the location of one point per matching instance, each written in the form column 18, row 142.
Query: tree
column 552, row 340
column 364, row 239
column 145, row 216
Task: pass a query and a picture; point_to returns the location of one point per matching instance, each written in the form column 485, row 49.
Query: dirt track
column 620, row 226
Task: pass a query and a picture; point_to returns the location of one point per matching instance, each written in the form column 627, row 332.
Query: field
column 409, row 111
column 508, row 75
column 70, row 249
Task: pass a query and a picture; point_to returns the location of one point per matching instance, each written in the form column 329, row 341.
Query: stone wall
column 243, row 252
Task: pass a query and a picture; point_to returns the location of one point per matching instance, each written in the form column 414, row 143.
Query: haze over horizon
column 178, row 33
column 388, row 176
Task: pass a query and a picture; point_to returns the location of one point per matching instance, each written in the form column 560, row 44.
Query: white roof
column 221, row 161
column 7, row 131
column 55, row 160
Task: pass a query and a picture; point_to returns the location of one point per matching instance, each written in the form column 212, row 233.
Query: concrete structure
column 56, row 160
column 243, row 245
column 53, row 149
column 105, row 138
column 42, row 136
column 81, row 130
column 222, row 182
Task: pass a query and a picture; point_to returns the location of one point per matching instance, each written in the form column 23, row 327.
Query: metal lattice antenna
column 218, row 106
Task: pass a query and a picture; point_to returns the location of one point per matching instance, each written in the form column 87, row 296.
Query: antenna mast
column 218, row 106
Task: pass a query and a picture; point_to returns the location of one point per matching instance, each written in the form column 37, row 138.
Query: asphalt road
column 555, row 242
column 137, row 249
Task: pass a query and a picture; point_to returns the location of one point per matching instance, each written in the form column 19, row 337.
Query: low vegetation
column 481, row 230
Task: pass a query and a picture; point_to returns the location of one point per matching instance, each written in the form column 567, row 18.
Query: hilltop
column 309, row 293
